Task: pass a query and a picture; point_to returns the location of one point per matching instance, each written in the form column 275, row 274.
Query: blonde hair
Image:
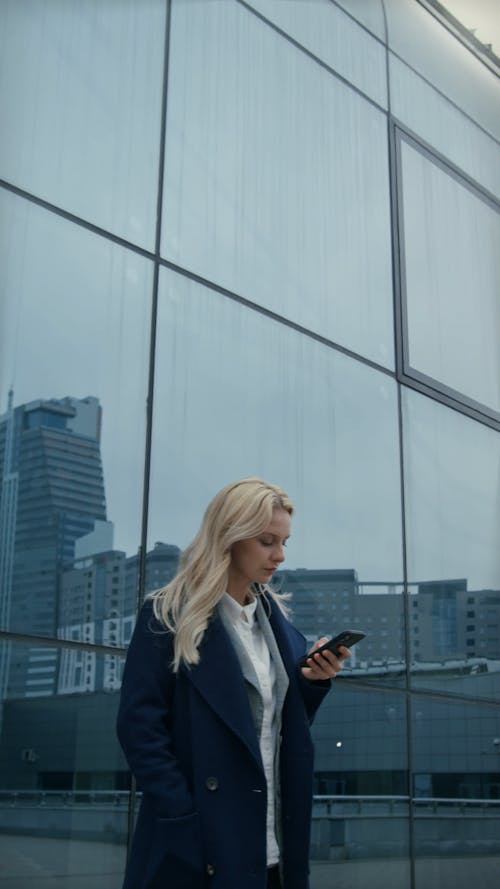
column 185, row 606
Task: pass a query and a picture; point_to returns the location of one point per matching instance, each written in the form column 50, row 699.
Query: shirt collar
column 236, row 612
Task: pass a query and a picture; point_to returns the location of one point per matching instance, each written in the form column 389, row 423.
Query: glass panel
column 336, row 39
column 444, row 127
column 368, row 12
column 457, row 793
column 81, row 126
column 238, row 394
column 63, row 779
column 360, row 830
column 452, row 276
column 269, row 190
column 453, row 528
column 428, row 47
column 75, row 353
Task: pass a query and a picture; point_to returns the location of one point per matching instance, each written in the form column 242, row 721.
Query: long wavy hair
column 184, row 607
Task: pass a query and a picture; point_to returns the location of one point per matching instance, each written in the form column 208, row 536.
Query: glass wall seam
column 444, row 96
column 359, row 22
column 448, row 166
column 57, row 642
column 154, row 311
column 141, row 574
column 452, row 697
column 310, row 54
column 76, row 220
column 274, row 316
column 440, row 395
column 82, row 223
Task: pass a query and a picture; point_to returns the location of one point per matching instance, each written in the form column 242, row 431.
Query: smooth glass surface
column 444, row 127
column 361, row 746
column 456, row 789
column 453, row 529
column 63, row 779
column 75, row 352
column 323, row 29
column 269, row 189
column 427, row 46
column 360, row 830
column 238, row 394
column 368, row 12
column 80, row 100
column 452, row 276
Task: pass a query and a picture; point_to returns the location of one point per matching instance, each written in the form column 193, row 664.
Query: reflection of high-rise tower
column 51, row 449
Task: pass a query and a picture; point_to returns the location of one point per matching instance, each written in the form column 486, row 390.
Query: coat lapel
column 244, row 659
column 219, row 679
column 281, row 674
column 220, row 676
column 279, row 627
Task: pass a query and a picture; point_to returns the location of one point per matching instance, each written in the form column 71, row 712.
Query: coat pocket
column 175, row 854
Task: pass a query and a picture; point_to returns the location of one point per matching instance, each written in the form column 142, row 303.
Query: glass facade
column 252, row 238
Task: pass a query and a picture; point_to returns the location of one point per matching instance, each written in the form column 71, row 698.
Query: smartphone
column 347, row 638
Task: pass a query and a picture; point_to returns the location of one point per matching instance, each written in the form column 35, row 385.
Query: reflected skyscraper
column 52, row 494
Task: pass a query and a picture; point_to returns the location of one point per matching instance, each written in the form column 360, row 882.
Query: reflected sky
column 452, row 471
column 452, row 273
column 77, row 322
column 80, row 98
column 238, row 394
column 269, row 190
column 266, row 191
column 336, row 39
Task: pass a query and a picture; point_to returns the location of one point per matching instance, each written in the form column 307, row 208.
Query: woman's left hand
column 325, row 665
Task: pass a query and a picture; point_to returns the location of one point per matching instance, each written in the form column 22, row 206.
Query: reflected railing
column 366, row 827
column 65, row 798
column 343, row 827
column 83, row 815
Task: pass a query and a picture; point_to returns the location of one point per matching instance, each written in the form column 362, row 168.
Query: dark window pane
column 63, row 780
column 456, row 792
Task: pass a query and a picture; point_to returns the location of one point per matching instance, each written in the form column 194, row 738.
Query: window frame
column 405, row 373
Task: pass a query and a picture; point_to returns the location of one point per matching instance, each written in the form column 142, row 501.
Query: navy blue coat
column 191, row 742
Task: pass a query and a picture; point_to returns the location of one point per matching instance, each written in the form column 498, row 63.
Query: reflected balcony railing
column 343, row 827
column 324, row 805
column 367, row 827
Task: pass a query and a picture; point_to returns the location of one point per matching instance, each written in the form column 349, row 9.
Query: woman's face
column 256, row 559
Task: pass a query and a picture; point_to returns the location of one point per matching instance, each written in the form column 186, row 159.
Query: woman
column 215, row 712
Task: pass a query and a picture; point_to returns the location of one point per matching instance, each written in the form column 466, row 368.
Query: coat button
column 212, row 784
column 210, row 870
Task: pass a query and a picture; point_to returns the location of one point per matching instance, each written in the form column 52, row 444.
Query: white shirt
column 242, row 618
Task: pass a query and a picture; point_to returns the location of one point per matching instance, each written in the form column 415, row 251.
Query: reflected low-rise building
column 98, row 605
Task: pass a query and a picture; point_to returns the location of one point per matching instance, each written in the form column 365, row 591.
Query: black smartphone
column 347, row 638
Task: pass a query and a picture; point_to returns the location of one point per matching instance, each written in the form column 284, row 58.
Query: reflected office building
column 52, row 494
column 98, row 605
column 268, row 247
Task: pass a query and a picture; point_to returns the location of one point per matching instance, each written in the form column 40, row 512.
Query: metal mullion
column 150, row 396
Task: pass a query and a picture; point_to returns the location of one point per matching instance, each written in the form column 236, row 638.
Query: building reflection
column 63, row 579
